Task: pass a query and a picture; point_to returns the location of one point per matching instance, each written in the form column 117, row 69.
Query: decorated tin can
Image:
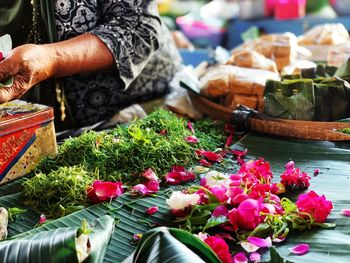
column 27, row 133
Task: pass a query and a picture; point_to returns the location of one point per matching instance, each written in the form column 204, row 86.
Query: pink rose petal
column 249, row 247
column 152, row 210
column 42, row 219
column 289, row 165
column 300, row 249
column 240, row 258
column 260, row 242
column 255, row 257
column 345, row 212
column 190, row 127
column 150, row 175
column 278, row 240
column 192, row 139
column 316, row 171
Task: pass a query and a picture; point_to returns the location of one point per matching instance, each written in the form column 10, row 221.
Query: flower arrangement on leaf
column 245, row 208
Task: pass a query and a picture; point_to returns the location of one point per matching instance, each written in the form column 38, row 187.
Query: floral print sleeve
column 130, row 29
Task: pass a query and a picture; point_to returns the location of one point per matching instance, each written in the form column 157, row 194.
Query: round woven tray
column 213, row 110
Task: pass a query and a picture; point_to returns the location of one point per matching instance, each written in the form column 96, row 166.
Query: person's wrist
column 48, row 54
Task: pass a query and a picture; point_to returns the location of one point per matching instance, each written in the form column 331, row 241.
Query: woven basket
column 213, row 110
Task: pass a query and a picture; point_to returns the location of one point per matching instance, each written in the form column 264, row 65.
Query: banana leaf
column 344, row 71
column 57, row 245
column 290, row 99
column 171, row 245
column 327, row 245
column 332, row 98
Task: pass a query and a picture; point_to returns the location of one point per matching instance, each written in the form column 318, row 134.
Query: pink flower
column 192, row 139
column 1, row 56
column 246, row 216
column 219, row 192
column 220, row 210
column 152, row 210
column 103, row 191
column 300, row 249
column 317, row 206
column 240, row 258
column 236, row 196
column 150, row 175
column 220, row 248
column 42, row 219
column 257, row 170
column 190, row 127
column 293, row 178
column 178, row 175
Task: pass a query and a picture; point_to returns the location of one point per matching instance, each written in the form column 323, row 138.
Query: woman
column 109, row 54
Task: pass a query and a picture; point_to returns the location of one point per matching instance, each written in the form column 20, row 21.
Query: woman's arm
column 126, row 38
column 31, row 64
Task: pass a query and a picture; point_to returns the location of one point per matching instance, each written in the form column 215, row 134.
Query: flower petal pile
column 245, row 208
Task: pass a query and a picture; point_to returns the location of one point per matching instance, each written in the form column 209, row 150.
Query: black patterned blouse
column 145, row 56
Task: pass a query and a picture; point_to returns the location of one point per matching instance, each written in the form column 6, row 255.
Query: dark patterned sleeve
column 130, row 29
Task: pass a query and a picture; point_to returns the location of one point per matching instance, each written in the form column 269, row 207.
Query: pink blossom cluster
column 243, row 201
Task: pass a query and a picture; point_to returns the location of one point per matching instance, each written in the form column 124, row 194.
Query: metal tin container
column 27, row 133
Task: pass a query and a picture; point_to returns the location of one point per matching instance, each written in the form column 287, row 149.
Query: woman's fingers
column 16, row 90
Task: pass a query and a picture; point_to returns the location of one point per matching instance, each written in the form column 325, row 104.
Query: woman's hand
column 28, row 65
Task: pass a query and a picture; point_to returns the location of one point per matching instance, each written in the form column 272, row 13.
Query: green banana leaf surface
column 171, row 245
column 327, row 245
column 57, row 245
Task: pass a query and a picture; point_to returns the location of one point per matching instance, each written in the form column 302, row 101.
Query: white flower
column 180, row 201
column 214, row 178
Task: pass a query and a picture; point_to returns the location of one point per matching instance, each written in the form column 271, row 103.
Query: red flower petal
column 240, row 153
column 211, row 156
column 1, row 56
column 229, row 129
column 345, row 212
column 300, row 249
column 205, row 163
column 152, row 210
column 163, row 132
column 103, row 191
column 229, row 141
